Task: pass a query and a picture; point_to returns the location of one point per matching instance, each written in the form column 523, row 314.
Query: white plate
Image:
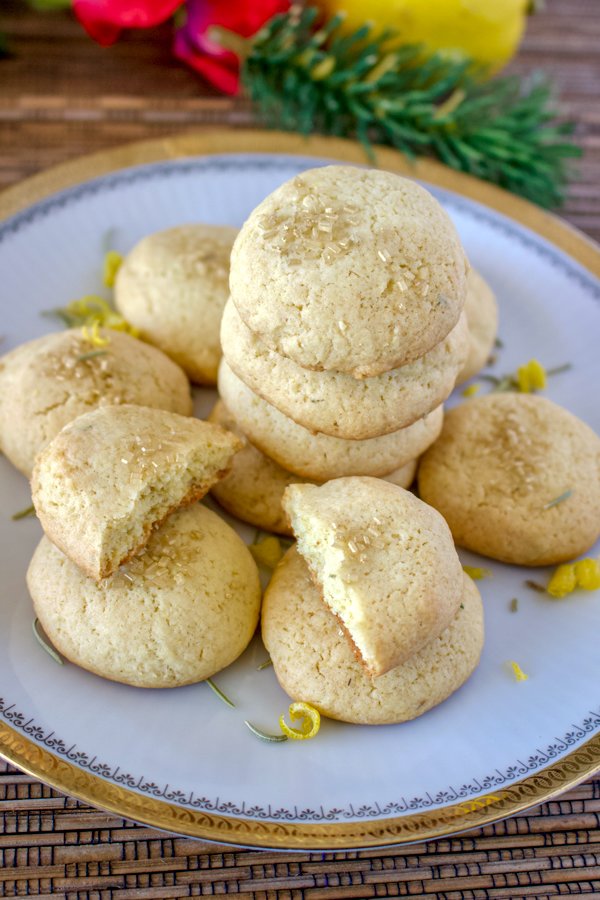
column 185, row 747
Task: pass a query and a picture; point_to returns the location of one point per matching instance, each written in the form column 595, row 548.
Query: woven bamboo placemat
column 52, row 845
column 62, row 96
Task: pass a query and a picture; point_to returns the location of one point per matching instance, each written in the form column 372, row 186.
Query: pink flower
column 104, row 19
column 244, row 17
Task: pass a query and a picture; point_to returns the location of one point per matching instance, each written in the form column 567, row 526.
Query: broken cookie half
column 384, row 562
column 110, row 477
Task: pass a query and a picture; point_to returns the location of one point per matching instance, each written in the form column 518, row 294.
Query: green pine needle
column 308, row 80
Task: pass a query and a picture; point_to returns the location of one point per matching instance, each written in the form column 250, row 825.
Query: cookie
column 352, row 269
column 113, row 475
column 337, row 404
column 481, row 311
column 173, row 286
column 48, row 382
column 384, row 562
column 517, row 478
column 183, row 610
column 253, row 489
column 319, row 457
column 314, row 663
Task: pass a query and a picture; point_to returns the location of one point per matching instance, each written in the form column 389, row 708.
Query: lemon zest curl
column 92, row 335
column 310, row 722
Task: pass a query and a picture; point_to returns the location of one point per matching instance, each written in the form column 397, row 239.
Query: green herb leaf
column 558, row 370
column 560, row 499
column 26, row 513
column 265, row 665
column 46, row 645
column 268, row 738
column 535, row 586
column 217, row 690
column 514, row 604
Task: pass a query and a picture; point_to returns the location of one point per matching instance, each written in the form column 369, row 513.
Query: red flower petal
column 104, row 19
column 209, row 59
column 222, row 70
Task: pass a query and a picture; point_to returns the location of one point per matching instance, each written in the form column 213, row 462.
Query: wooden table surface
column 61, row 96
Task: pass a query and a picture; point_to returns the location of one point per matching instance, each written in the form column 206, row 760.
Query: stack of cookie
column 343, row 335
column 133, row 580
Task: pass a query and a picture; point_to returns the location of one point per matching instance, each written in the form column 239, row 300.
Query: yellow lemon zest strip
column 90, row 309
column 563, row 581
column 92, row 334
column 587, row 573
column 537, row 375
column 476, row 573
column 112, row 264
column 518, row 671
column 471, row 390
column 267, row 552
column 531, row 377
column 311, row 722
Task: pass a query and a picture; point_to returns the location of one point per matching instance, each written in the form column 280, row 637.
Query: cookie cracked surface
column 384, row 562
column 105, row 482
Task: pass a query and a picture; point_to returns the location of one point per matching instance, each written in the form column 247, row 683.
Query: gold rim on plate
column 579, row 764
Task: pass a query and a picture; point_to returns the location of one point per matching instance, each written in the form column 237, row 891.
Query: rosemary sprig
column 535, row 586
column 217, row 690
column 45, row 644
column 268, row 738
column 558, row 370
column 560, row 499
column 265, row 665
column 308, row 80
column 26, row 513
column 80, row 312
column 511, row 383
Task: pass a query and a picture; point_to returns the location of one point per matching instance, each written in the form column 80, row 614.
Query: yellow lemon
column 488, row 31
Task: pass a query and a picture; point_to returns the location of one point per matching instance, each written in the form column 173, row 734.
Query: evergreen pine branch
column 305, row 79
